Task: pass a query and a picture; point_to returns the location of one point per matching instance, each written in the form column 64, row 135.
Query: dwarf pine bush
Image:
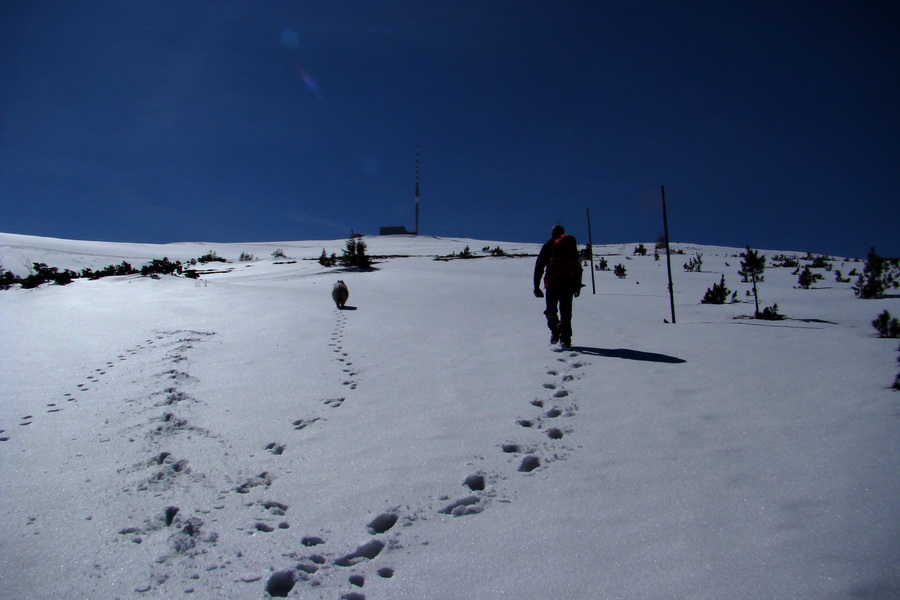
column 211, row 256
column 355, row 253
column 879, row 275
column 718, row 294
column 8, row 279
column 162, row 267
column 807, row 278
column 886, row 325
column 41, row 273
column 694, row 264
column 782, row 260
column 897, row 380
column 327, row 261
column 770, row 313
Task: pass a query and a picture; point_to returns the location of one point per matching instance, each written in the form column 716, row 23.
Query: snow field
column 197, row 438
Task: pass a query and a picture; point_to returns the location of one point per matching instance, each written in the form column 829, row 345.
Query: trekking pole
column 591, row 251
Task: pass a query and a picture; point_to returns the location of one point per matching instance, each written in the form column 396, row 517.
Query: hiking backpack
column 564, row 268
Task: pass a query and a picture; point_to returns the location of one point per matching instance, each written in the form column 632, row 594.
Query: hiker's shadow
column 627, row 354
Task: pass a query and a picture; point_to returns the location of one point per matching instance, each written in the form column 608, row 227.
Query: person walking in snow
column 559, row 265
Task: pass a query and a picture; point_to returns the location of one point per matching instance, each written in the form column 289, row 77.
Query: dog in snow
column 340, row 294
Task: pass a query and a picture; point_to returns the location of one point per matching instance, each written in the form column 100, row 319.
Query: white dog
column 340, row 294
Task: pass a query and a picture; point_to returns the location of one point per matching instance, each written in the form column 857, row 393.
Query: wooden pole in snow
column 668, row 255
column 417, row 189
column 591, row 251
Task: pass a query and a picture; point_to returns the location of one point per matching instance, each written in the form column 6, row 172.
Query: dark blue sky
column 773, row 124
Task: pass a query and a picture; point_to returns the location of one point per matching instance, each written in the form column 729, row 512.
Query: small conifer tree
column 327, row 261
column 752, row 268
column 807, row 278
column 875, row 279
column 886, row 325
column 355, row 253
column 695, row 264
column 717, row 294
column 770, row 313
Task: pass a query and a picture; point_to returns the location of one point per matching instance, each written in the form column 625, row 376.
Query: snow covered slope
column 220, row 437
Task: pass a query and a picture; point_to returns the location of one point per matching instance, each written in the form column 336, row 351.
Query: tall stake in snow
column 591, row 251
column 668, row 255
column 417, row 189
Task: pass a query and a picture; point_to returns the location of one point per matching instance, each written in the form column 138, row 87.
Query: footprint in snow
column 275, row 448
column 367, row 551
column 463, row 507
column 529, row 464
column 382, row 523
column 475, row 482
column 311, row 541
column 263, row 479
column 304, row 423
column 555, row 433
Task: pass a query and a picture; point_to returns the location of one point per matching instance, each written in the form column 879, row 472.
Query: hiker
column 562, row 280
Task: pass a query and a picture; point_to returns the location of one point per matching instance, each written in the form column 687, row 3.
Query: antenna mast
column 417, row 189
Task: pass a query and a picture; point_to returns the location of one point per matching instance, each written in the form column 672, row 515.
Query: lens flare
column 290, row 38
column 307, row 79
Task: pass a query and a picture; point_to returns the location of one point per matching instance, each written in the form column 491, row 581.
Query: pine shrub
column 820, row 262
column 355, row 253
column 211, row 256
column 782, row 260
column 41, row 274
column 807, row 278
column 327, row 261
column 886, row 325
column 695, row 264
column 8, row 279
column 162, row 267
column 717, row 294
column 879, row 275
column 770, row 313
column 897, row 379
column 620, row 271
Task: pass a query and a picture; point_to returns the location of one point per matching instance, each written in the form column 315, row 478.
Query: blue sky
column 773, row 124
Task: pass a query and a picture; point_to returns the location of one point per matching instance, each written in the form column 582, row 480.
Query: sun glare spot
column 290, row 38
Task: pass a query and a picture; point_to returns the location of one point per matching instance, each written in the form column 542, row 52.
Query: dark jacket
column 559, row 264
